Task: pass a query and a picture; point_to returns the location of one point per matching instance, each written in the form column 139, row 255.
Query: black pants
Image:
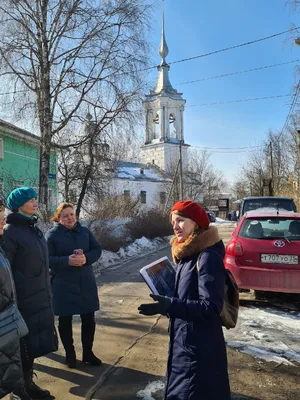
column 27, row 360
column 87, row 331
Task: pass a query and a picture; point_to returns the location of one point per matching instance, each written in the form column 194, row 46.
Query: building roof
column 15, row 131
column 139, row 172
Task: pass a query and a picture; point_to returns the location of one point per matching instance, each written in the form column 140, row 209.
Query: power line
column 295, row 97
column 227, row 48
column 239, row 101
column 238, row 72
column 227, row 148
column 15, row 92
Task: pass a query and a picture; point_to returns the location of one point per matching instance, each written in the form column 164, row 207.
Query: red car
column 264, row 252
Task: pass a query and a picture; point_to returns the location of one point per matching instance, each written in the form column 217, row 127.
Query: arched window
column 172, row 126
column 156, row 126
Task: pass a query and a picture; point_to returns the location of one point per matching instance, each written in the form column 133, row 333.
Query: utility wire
column 15, row 92
column 207, row 78
column 238, row 72
column 227, row 48
column 226, row 148
column 239, row 101
column 219, row 150
column 231, row 101
column 295, row 97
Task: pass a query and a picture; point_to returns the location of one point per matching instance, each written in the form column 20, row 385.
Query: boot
column 66, row 336
column 88, row 327
column 20, row 394
column 32, row 389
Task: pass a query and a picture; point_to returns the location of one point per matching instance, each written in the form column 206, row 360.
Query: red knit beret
column 193, row 211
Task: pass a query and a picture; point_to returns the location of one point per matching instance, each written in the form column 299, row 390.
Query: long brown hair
column 60, row 207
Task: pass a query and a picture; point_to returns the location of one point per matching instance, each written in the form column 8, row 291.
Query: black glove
column 160, row 307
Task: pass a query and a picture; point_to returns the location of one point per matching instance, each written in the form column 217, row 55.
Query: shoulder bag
column 12, row 324
column 230, row 310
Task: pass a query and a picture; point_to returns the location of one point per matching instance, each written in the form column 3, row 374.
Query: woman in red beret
column 197, row 361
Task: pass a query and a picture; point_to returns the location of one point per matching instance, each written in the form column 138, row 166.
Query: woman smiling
column 72, row 250
column 197, row 362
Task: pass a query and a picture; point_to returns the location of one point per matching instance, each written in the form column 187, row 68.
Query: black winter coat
column 27, row 252
column 197, row 361
column 11, row 375
column 74, row 288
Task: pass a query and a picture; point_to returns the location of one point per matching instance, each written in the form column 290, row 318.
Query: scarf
column 195, row 243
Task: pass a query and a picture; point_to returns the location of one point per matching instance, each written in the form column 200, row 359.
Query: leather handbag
column 12, row 325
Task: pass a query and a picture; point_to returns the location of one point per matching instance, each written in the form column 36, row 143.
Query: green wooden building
column 20, row 160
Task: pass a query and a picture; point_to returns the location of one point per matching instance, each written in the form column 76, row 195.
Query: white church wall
column 165, row 156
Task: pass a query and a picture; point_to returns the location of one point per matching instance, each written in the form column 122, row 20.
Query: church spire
column 163, row 86
column 163, row 48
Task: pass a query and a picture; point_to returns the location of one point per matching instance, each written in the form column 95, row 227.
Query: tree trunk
column 83, row 190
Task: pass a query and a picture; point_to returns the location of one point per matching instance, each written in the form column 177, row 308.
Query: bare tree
column 68, row 54
column 294, row 4
column 204, row 179
column 86, row 169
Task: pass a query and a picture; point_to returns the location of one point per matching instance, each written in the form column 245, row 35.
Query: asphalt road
column 125, row 341
column 133, row 349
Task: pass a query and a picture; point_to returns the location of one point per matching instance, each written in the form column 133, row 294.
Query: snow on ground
column 267, row 333
column 139, row 247
column 151, row 389
column 224, row 222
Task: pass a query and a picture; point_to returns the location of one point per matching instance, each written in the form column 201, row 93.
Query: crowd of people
column 53, row 275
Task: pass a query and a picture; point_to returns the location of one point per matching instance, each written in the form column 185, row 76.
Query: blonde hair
column 58, row 211
column 2, row 205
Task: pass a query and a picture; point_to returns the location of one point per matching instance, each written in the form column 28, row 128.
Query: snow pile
column 139, row 247
column 220, row 221
column 151, row 389
column 268, row 334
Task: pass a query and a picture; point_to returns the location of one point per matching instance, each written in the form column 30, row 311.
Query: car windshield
column 271, row 228
column 268, row 205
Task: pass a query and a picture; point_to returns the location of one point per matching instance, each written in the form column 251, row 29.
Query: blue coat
column 197, row 361
column 74, row 288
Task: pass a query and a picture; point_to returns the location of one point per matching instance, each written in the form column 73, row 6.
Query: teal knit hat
column 20, row 196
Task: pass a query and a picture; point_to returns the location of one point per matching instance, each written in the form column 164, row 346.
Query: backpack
column 229, row 313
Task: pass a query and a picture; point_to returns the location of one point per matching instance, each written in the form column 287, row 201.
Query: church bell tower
column 164, row 109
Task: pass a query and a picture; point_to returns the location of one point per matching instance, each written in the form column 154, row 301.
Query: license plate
column 278, row 259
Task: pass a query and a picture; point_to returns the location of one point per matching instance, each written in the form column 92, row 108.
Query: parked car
column 211, row 216
column 264, row 252
column 266, row 203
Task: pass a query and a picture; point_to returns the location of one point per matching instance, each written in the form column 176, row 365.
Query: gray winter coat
column 11, row 375
column 27, row 252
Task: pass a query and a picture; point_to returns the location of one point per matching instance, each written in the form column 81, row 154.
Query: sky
column 196, row 27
